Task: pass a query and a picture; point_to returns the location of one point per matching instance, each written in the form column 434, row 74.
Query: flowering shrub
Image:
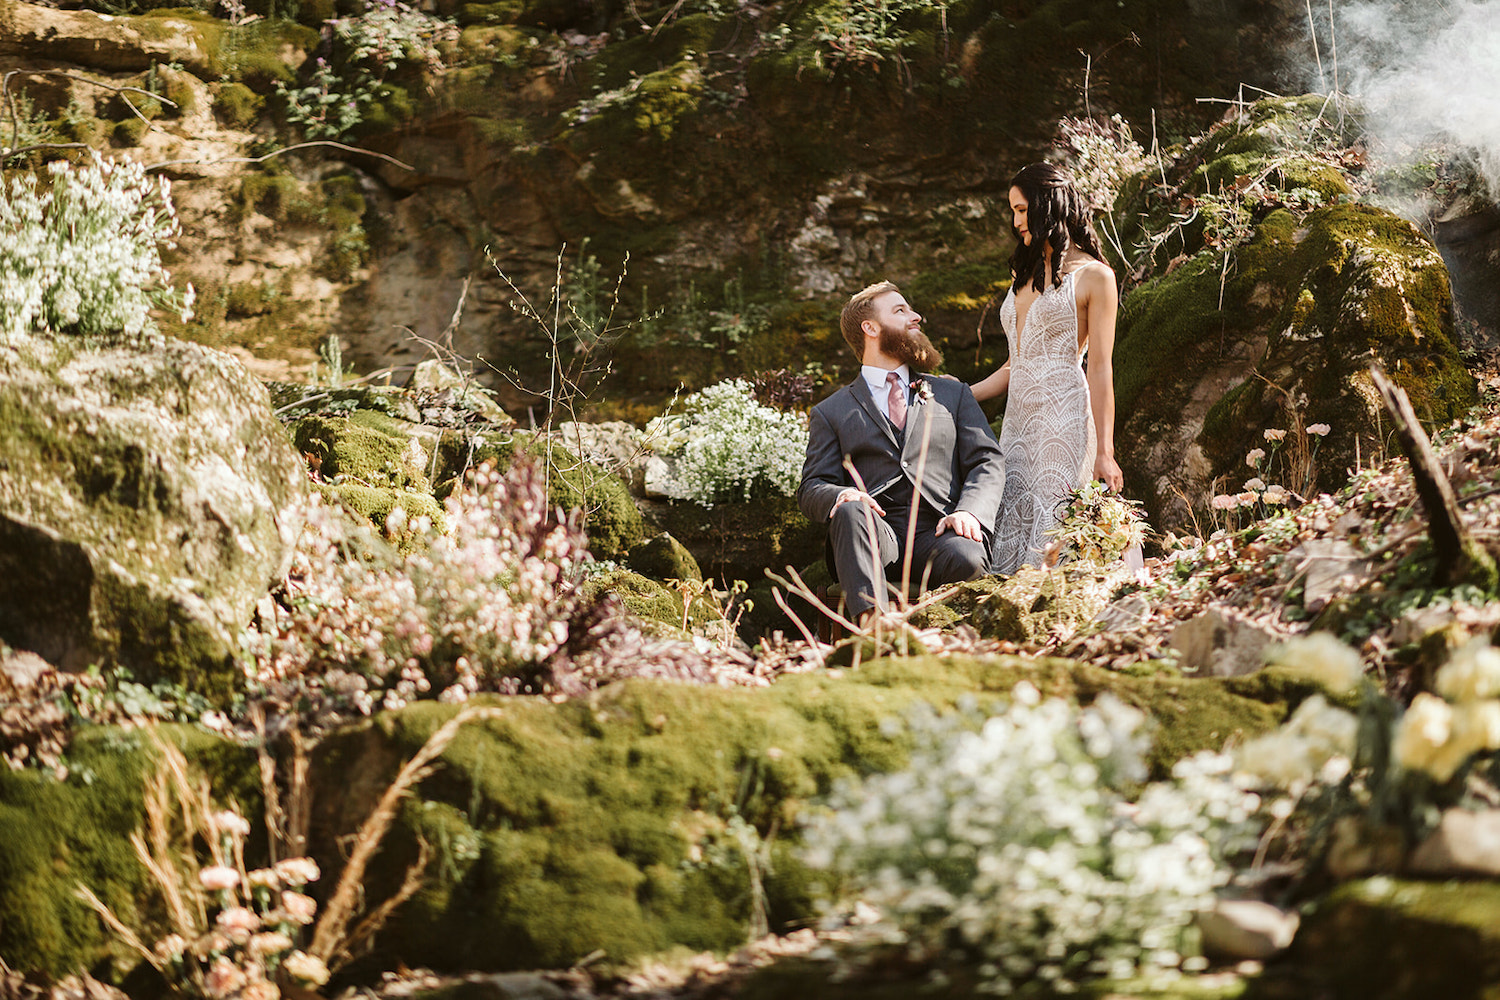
column 81, row 252
column 725, row 446
column 369, row 47
column 487, row 603
column 1102, row 156
column 1020, row 843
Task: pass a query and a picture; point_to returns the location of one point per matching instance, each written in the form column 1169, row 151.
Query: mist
column 1426, row 72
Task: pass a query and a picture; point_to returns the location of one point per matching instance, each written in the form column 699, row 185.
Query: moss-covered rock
column 60, row 834
column 1032, row 604
column 1389, row 939
column 365, row 447
column 1234, row 336
column 663, row 557
column 740, row 541
column 143, row 506
column 608, row 822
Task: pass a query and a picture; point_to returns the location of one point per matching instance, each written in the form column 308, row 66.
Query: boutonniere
column 924, row 390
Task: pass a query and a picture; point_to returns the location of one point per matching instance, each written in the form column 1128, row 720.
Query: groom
column 912, row 441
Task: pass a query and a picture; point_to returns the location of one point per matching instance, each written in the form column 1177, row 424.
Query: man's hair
column 860, row 307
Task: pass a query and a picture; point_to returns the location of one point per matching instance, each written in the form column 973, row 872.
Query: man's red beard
column 909, row 346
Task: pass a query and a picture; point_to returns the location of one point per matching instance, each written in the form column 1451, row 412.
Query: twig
column 330, row 936
column 286, row 149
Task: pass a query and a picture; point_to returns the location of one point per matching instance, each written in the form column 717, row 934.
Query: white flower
column 230, row 822
column 1318, row 430
column 1255, row 483
column 1274, row 494
column 1473, row 672
column 1272, row 434
column 1422, row 738
column 1316, row 742
column 1321, row 657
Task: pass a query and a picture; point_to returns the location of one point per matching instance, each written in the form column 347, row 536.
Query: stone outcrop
column 142, row 505
column 1264, row 312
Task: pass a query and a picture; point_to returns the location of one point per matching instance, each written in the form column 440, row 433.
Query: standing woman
column 1059, row 425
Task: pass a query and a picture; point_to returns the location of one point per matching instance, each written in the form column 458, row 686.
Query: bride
column 1059, row 423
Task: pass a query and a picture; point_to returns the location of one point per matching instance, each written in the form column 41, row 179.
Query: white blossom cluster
column 81, row 252
column 1439, row 733
column 726, row 447
column 1020, row 843
column 490, row 598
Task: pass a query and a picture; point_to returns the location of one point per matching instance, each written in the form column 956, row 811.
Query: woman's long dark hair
column 1056, row 215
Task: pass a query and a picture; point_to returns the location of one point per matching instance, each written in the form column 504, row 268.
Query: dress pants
column 866, row 552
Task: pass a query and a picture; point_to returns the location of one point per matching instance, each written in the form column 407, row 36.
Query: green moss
column 604, row 822
column 740, row 541
column 236, row 105
column 645, row 54
column 1403, row 940
column 60, row 834
column 664, row 558
column 369, row 448
column 376, row 504
column 131, row 131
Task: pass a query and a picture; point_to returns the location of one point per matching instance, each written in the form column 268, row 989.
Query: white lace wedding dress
column 1048, row 435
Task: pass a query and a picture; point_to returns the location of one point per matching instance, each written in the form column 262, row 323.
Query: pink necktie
column 896, row 400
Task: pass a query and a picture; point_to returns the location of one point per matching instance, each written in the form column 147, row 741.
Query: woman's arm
column 992, row 385
column 1101, row 301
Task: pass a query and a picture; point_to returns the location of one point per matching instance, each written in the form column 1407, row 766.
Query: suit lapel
column 861, row 392
column 916, row 413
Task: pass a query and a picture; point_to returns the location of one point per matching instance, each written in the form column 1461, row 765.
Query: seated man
column 918, row 447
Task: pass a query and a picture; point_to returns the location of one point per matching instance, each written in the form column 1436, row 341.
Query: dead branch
column 1460, row 559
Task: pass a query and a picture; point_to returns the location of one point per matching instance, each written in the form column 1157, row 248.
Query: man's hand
column 962, row 523
column 851, row 494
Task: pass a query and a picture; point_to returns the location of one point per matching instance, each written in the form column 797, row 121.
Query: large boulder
column 143, row 500
column 1266, row 296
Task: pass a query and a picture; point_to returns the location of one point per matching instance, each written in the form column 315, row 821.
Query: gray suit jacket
column 963, row 469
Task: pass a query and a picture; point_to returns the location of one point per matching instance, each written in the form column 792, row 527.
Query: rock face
column 141, row 505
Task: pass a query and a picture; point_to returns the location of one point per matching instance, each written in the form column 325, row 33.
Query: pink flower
column 1272, row 434
column 238, row 920
column 219, row 877
column 232, row 823
column 224, row 978
column 298, row 871
column 1224, row 502
column 299, row 909
column 1254, row 456
column 270, row 943
column 1318, row 430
